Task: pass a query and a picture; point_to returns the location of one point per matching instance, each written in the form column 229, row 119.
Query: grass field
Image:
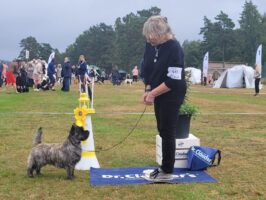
column 231, row 120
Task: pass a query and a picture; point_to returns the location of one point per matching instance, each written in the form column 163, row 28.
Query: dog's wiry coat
column 65, row 155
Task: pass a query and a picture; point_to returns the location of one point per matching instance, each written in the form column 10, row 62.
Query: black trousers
column 66, row 84
column 166, row 113
column 204, row 81
column 82, row 83
column 51, row 80
column 135, row 78
column 257, row 85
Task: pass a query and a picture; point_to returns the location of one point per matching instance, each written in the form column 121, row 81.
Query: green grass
column 241, row 138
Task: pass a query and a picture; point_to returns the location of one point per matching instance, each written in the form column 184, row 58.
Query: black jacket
column 165, row 63
column 66, row 70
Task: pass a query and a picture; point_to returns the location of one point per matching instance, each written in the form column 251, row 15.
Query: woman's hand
column 150, row 98
column 143, row 98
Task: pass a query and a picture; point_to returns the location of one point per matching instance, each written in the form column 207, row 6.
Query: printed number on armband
column 175, row 73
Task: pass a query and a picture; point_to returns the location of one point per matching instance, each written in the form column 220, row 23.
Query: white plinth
column 182, row 146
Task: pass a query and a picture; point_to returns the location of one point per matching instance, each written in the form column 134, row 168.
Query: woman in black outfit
column 165, row 87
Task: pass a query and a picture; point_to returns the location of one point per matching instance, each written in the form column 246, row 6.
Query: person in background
column 141, row 69
column 4, row 73
column 74, row 76
column 44, row 85
column 58, row 73
column 1, row 73
column 92, row 73
column 82, row 70
column 165, row 87
column 204, row 80
column 66, row 74
column 135, row 74
column 15, row 68
column 22, row 79
column 43, row 63
column 103, row 76
column 10, row 79
column 210, row 79
column 115, row 76
column 51, row 74
column 257, row 76
column 29, row 70
column 37, row 73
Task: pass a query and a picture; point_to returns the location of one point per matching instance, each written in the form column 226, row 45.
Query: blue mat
column 128, row 176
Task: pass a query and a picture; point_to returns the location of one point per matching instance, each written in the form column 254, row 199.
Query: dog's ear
column 72, row 131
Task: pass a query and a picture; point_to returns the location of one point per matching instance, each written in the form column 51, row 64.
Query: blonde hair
column 156, row 25
column 66, row 59
column 81, row 58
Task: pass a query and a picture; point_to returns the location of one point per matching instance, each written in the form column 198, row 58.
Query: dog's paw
column 30, row 176
column 29, row 173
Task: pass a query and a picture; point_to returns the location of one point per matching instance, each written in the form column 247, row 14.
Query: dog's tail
column 38, row 137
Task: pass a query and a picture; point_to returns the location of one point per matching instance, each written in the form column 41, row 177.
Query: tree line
column 123, row 44
column 226, row 43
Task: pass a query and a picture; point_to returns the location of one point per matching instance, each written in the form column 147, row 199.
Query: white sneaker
column 157, row 175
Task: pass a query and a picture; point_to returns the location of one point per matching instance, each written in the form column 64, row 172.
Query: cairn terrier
column 65, row 155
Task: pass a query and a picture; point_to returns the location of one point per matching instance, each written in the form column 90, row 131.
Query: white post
column 92, row 92
column 88, row 155
column 86, row 84
column 79, row 85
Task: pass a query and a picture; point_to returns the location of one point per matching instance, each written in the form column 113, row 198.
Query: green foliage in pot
column 188, row 109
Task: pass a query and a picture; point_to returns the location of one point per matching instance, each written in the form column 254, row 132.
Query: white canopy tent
column 239, row 76
column 195, row 77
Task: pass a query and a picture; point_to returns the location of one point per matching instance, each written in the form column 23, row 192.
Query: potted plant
column 186, row 112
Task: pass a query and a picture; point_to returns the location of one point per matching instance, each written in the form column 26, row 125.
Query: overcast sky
column 60, row 22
